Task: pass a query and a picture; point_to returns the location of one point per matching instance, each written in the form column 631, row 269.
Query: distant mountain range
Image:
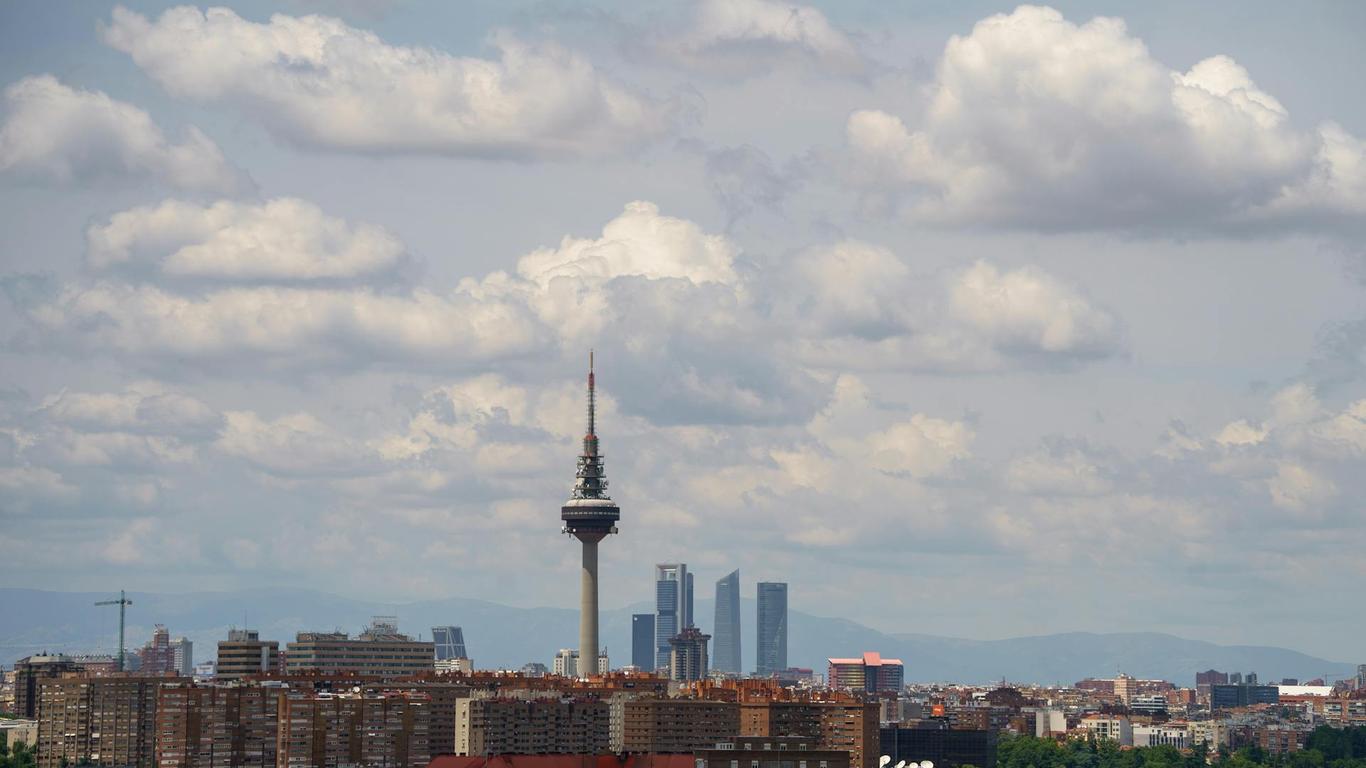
column 503, row 636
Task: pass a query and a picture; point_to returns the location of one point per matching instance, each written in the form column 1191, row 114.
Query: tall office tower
column 643, row 641
column 688, row 619
column 671, row 609
column 182, row 654
column 590, row 515
column 688, row 655
column 771, row 653
column 726, row 656
column 450, row 643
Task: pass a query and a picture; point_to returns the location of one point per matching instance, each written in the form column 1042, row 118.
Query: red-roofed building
column 870, row 673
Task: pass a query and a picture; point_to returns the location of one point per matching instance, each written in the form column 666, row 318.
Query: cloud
column 862, row 306
column 1299, row 455
column 746, row 36
column 1027, row 311
column 318, row 82
column 1037, row 122
column 1240, row 433
column 1058, row 469
column 57, row 133
column 638, row 242
column 744, row 178
column 284, row 327
column 281, row 240
column 297, row 444
column 26, row 485
column 1295, row 487
column 698, row 333
column 145, row 408
column 919, row 446
column 454, row 415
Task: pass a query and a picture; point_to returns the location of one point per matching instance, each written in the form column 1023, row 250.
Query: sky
column 963, row 318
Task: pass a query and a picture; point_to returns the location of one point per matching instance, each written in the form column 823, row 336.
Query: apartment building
column 206, row 726
column 677, row 725
column 532, row 726
column 108, row 720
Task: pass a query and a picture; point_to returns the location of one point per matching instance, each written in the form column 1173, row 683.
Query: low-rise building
column 1110, row 727
column 20, row 731
column 380, row 651
column 934, row 741
column 1162, row 735
column 751, row 752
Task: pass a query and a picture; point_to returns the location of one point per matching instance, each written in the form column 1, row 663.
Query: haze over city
column 962, row 319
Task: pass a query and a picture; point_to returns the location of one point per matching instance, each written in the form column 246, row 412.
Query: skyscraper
column 589, row 515
column 671, row 607
column 643, row 641
column 727, row 656
column 688, row 655
column 771, row 653
column 688, row 619
column 182, row 654
column 450, row 643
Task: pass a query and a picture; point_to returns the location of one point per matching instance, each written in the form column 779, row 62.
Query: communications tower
column 589, row 516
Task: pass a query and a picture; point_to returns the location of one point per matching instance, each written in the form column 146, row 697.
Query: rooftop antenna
column 592, row 398
column 123, row 602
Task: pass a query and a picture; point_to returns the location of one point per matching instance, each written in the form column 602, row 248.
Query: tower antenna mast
column 589, row 515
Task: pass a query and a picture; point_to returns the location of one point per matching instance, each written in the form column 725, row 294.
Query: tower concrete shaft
column 588, row 608
column 589, row 515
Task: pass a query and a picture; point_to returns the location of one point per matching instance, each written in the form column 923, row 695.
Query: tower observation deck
column 589, row 515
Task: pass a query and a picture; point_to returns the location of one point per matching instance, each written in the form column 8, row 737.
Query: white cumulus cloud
column 287, row 326
column 1040, row 122
column 55, row 132
column 285, row 239
column 319, row 82
column 747, row 35
column 859, row 305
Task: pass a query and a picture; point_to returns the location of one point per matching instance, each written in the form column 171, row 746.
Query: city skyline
column 1020, row 306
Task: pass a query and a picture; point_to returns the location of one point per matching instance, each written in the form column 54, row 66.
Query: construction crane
column 123, row 602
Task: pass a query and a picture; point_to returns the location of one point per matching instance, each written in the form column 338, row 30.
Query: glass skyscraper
column 643, row 641
column 726, row 652
column 450, row 643
column 688, row 619
column 671, row 608
column 771, row 654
